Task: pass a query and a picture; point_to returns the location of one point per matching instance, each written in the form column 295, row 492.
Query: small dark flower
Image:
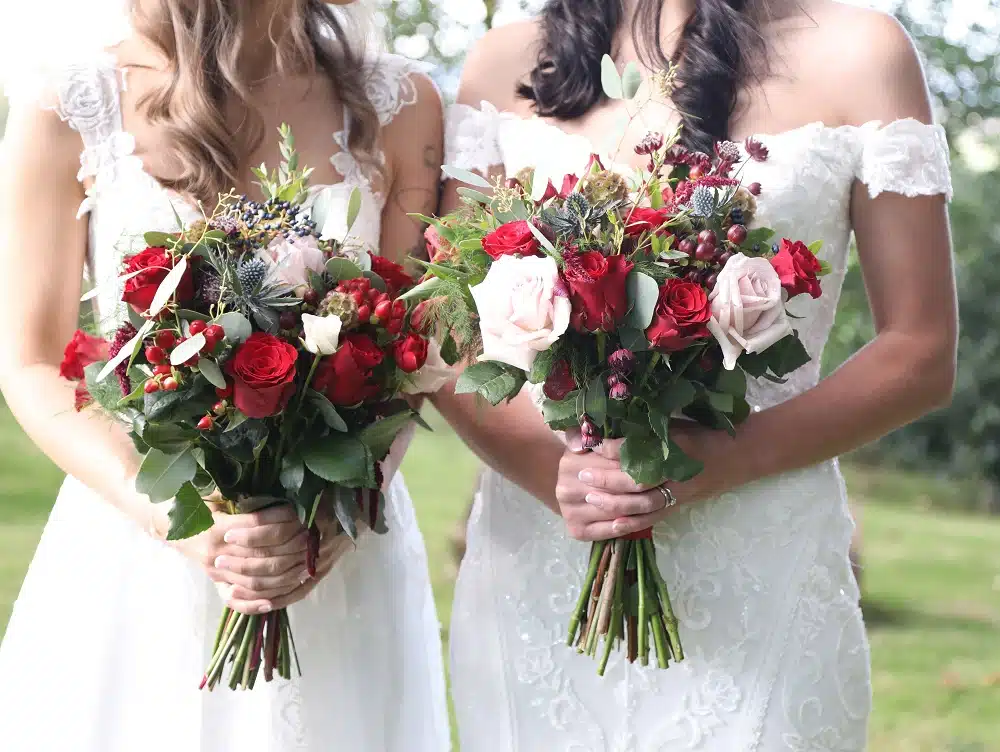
column 591, row 433
column 757, row 151
column 728, row 151
column 651, row 144
column 122, row 337
column 622, row 361
column 620, row 392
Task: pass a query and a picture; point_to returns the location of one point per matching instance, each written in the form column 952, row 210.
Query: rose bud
column 620, row 392
column 623, row 361
column 591, row 433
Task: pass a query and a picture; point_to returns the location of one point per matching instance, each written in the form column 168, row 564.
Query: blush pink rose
column 290, row 260
column 748, row 312
column 520, row 312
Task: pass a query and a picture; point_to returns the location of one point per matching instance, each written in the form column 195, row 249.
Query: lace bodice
column 806, row 182
column 124, row 201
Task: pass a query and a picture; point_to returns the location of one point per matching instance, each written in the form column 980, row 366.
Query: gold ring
column 668, row 496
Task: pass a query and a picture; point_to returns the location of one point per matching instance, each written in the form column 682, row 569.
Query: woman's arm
column 905, row 372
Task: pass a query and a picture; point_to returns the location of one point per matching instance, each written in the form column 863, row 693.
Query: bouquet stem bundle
column 250, row 644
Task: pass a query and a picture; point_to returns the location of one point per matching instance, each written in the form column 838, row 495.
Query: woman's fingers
column 269, row 566
column 615, row 506
column 610, row 449
column 574, row 441
column 611, row 480
column 264, row 536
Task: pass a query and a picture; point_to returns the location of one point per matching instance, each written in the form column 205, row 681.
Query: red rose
column 153, row 265
column 597, row 289
column 644, row 219
column 410, row 353
column 797, row 268
column 560, row 382
column 395, row 277
column 682, row 313
column 263, row 371
column 511, row 239
column 81, row 351
column 346, row 377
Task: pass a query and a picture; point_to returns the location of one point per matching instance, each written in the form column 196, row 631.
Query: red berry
column 695, row 173
column 287, row 320
column 754, row 188
column 711, row 281
column 737, row 234
column 383, row 309
column 164, row 370
column 408, row 362
column 311, row 297
column 151, row 387
column 687, row 246
column 219, row 408
column 197, row 327
column 395, row 326
column 705, row 252
column 384, row 296
column 399, row 308
column 364, row 284
column 725, row 257
column 693, row 275
column 708, row 237
column 215, row 332
column 206, row 423
column 165, row 339
column 374, row 294
column 155, row 354
column 223, row 393
column 359, row 297
column 364, row 313
column 170, row 384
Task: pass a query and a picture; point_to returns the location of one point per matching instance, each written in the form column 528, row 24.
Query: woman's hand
column 599, row 501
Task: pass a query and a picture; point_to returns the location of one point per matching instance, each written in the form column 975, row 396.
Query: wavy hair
column 721, row 47
column 203, row 41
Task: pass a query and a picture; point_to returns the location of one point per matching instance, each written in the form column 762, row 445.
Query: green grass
column 932, row 583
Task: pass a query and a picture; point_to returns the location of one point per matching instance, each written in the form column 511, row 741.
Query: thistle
column 703, row 201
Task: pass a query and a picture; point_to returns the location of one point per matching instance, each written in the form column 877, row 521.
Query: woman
column 110, row 634
column 756, row 551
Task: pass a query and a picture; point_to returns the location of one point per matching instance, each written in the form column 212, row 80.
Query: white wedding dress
column 111, row 632
column 777, row 653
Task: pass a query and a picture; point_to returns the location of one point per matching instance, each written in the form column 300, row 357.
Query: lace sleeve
column 906, row 157
column 389, row 84
column 471, row 138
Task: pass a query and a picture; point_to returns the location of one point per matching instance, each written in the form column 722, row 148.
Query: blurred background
column 927, row 498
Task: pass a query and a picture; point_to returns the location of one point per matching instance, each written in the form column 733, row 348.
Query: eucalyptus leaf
column 236, row 325
column 128, row 350
column 611, row 81
column 212, row 373
column 158, row 239
column 189, row 516
column 474, row 196
column 187, row 350
column 168, row 286
column 544, row 241
column 342, row 269
column 464, row 176
column 631, row 81
column 644, row 294
column 353, row 208
column 161, row 475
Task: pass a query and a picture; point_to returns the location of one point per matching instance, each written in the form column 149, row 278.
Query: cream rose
column 434, row 374
column 520, row 313
column 322, row 333
column 290, row 260
column 748, row 312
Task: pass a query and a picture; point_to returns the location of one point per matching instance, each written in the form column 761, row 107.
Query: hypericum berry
column 708, row 237
column 693, row 275
column 165, row 339
column 219, row 408
column 215, row 332
column 711, row 281
column 222, row 393
column 193, row 360
column 155, row 354
column 398, row 308
column 374, row 295
column 591, row 433
column 364, row 313
column 737, row 234
column 170, row 384
column 687, row 246
column 311, row 297
column 620, row 392
column 197, row 327
column 163, row 370
column 754, row 188
column 622, row 361
column 395, row 326
column 705, row 252
column 725, row 258
column 151, row 387
column 383, row 309
column 287, row 320
column 206, row 423
column 358, row 297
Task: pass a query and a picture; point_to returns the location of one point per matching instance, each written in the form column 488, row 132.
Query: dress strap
column 906, row 157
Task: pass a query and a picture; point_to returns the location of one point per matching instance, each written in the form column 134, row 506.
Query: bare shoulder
column 867, row 62
column 419, row 119
column 498, row 62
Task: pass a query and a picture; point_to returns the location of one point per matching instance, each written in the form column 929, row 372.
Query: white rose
column 290, row 260
column 520, row 313
column 322, row 333
column 748, row 311
column 434, row 374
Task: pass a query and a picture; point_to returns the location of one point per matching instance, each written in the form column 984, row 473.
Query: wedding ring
column 668, row 497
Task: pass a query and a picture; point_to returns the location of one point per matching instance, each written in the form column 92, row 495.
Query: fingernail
column 586, row 476
column 618, row 528
column 596, row 499
column 228, row 537
column 220, row 562
column 305, row 577
column 266, row 608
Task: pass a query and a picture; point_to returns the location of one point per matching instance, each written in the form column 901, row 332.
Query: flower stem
column 617, row 608
column 581, row 605
column 643, row 617
column 669, row 619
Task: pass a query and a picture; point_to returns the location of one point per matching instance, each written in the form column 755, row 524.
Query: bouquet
column 629, row 303
column 266, row 362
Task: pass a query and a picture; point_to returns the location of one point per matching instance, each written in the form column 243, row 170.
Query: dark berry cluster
column 265, row 220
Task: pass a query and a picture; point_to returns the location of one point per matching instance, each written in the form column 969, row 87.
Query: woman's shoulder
column 395, row 83
column 497, row 63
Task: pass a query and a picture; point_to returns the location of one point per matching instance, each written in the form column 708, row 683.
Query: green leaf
column 633, row 339
column 543, row 241
column 474, row 196
column 464, row 176
column 168, row 286
column 495, row 382
column 679, row 467
column 377, row 282
column 642, row 458
column 293, row 472
column 753, row 364
column 161, row 475
column 189, row 516
column 816, row 247
column 237, row 326
column 158, row 239
column 786, row 355
column 631, row 81
column 341, row 459
column 722, row 402
column 380, row 435
column 353, row 208
column 345, row 507
column 426, row 289
column 541, row 367
column 760, row 235
column 562, row 415
column 449, row 350
column 171, row 438
column 731, row 382
column 128, row 350
column 675, row 396
column 212, row 373
column 326, row 409
column 644, row 294
column 342, row 269
column 595, row 400
column 611, row 81
column 236, row 421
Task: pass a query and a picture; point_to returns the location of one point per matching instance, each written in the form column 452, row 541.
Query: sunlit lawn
column 932, row 585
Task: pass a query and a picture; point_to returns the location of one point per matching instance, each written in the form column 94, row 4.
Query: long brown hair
column 202, row 40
